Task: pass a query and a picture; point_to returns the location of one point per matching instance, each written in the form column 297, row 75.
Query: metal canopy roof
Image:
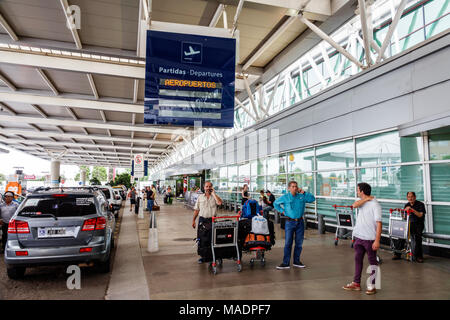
column 81, row 92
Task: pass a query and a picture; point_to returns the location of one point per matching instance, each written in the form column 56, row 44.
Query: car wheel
column 105, row 266
column 112, row 243
column 15, row 272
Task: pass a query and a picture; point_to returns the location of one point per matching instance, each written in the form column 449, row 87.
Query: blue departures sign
column 189, row 78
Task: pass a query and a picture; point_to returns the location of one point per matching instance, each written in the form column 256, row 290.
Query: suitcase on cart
column 204, row 250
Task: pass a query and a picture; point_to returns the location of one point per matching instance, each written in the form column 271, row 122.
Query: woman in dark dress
column 245, row 194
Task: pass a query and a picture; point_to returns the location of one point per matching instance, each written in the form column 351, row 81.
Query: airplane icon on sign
column 191, row 52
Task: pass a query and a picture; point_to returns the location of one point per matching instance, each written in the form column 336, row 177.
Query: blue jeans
column 291, row 228
column 149, row 205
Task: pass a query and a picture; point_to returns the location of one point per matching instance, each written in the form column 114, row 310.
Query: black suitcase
column 204, row 250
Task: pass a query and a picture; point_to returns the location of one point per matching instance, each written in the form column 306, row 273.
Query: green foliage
column 123, row 178
column 95, row 181
column 88, row 173
column 2, row 177
column 99, row 173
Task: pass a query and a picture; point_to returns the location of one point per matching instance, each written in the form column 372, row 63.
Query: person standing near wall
column 245, row 194
column 292, row 205
column 417, row 224
column 367, row 235
column 269, row 203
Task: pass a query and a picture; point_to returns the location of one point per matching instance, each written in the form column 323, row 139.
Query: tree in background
column 95, row 181
column 2, row 177
column 88, row 173
column 99, row 173
column 123, row 178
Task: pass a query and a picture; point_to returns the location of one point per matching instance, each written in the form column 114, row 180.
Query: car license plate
column 56, row 232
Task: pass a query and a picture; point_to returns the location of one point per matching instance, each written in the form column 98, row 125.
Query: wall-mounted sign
column 189, row 78
column 29, row 177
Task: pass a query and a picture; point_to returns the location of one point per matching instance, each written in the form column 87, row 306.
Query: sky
column 32, row 165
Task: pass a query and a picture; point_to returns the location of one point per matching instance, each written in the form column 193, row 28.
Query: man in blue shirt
column 292, row 205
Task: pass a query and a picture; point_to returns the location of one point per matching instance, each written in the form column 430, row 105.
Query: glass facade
column 420, row 21
column 392, row 165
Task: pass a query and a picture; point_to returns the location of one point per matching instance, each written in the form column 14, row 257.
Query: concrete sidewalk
column 173, row 272
column 128, row 280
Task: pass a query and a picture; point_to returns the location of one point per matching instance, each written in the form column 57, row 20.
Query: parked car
column 114, row 203
column 122, row 193
column 60, row 226
column 117, row 195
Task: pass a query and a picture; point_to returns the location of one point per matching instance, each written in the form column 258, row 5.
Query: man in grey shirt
column 7, row 210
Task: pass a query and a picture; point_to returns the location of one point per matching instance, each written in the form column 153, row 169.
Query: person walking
column 367, row 235
column 132, row 196
column 292, row 205
column 149, row 197
column 7, row 210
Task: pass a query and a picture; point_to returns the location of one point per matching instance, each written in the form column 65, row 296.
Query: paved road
column 50, row 282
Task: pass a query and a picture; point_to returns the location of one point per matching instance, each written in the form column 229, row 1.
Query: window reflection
column 336, row 183
column 336, row 155
column 387, row 148
column 393, row 182
column 301, row 161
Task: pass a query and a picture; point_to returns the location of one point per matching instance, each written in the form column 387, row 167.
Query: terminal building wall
column 348, row 134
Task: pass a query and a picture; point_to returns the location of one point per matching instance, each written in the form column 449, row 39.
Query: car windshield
column 58, row 206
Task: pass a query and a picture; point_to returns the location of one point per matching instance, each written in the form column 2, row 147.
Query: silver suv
column 60, row 226
column 114, row 202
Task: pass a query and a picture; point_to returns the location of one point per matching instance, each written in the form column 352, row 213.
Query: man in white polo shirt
column 206, row 206
column 367, row 235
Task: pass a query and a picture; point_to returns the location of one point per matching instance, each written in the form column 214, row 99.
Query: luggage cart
column 345, row 220
column 259, row 256
column 224, row 234
column 399, row 229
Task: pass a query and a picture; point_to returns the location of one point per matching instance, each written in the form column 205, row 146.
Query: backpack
column 257, row 240
column 250, row 209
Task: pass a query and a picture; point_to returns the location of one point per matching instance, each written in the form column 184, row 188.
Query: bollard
column 141, row 212
column 320, row 224
column 152, row 245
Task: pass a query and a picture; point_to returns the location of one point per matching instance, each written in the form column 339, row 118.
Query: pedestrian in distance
column 7, row 210
column 245, row 194
column 132, row 196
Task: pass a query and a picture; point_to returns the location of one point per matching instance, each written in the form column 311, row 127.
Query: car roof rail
column 62, row 189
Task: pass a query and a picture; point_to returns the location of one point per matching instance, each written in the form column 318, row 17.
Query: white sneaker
column 299, row 265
